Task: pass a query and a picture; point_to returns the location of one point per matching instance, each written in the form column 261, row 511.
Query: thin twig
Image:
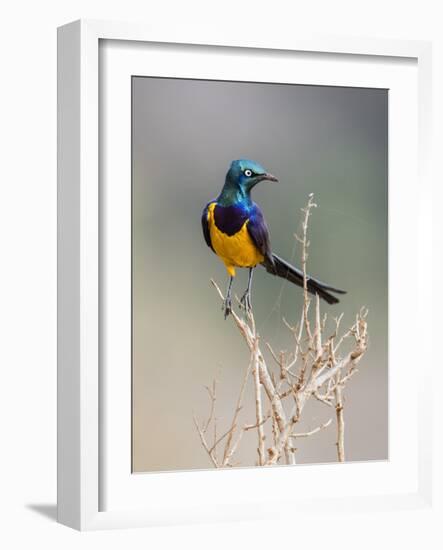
column 312, row 432
column 204, row 443
column 237, row 411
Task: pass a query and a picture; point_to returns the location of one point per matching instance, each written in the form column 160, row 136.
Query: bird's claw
column 227, row 307
column 245, row 302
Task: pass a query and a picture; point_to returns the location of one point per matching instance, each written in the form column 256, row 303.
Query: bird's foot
column 227, row 306
column 245, row 303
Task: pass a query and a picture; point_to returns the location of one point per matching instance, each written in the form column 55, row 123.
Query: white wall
column 28, row 267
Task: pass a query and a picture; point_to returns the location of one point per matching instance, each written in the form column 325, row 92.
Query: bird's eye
column 248, row 173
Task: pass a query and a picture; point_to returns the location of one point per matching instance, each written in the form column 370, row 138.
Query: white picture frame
column 81, row 434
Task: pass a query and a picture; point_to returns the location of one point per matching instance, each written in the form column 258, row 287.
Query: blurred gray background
column 327, row 140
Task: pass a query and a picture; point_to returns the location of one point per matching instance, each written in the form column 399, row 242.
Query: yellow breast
column 234, row 250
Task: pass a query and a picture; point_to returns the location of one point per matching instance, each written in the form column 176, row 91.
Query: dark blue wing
column 205, row 226
column 259, row 233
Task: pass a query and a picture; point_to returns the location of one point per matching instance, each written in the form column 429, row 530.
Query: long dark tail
column 281, row 268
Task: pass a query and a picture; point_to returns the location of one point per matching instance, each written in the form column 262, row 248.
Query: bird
column 235, row 228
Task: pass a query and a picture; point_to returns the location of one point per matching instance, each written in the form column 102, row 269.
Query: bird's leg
column 245, row 300
column 227, row 301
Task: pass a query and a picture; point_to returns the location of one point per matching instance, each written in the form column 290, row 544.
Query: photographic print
column 259, row 274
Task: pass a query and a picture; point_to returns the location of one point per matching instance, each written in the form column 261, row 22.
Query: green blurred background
column 330, row 141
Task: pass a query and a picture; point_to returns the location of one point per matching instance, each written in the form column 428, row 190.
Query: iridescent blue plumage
column 230, row 219
column 242, row 177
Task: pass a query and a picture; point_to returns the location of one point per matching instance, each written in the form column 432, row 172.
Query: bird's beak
column 268, row 177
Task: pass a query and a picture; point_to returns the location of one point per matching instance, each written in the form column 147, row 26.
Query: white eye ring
column 248, row 173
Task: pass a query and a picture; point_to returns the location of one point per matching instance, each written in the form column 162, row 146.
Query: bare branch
column 304, row 257
column 258, row 406
column 314, row 368
column 340, row 423
column 237, row 411
column 204, row 443
column 317, row 333
column 314, row 431
column 248, row 427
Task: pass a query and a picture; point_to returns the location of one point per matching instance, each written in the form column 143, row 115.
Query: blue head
column 242, row 176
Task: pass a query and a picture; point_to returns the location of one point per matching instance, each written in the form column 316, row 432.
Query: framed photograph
column 242, row 252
